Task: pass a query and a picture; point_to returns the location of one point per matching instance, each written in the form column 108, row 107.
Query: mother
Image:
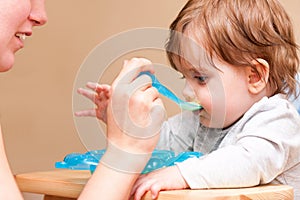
column 17, row 18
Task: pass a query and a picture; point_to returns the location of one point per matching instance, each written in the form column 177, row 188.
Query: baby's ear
column 258, row 76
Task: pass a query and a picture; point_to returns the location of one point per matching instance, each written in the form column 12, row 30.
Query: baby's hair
column 239, row 32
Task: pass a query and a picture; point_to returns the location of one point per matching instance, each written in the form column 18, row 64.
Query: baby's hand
column 163, row 179
column 98, row 94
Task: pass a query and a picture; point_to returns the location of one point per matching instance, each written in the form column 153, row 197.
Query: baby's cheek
column 203, row 98
column 219, row 113
column 211, row 105
column 207, row 105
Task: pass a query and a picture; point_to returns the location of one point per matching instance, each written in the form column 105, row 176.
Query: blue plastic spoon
column 167, row 93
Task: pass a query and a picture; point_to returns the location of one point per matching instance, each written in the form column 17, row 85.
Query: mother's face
column 17, row 18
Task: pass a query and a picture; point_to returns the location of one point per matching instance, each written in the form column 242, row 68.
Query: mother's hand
column 135, row 111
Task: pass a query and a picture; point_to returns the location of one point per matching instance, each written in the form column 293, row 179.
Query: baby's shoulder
column 273, row 111
column 276, row 104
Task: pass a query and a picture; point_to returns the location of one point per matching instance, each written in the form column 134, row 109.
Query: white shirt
column 262, row 147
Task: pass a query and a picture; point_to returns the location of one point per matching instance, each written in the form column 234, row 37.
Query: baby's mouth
column 198, row 112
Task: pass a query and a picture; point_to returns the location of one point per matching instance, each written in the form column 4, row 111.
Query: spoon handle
column 169, row 94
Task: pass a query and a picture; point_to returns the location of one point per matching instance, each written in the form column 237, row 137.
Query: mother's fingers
column 157, row 113
column 128, row 90
column 136, row 109
column 141, row 83
column 131, row 69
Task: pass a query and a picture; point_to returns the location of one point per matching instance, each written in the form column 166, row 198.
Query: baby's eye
column 202, row 79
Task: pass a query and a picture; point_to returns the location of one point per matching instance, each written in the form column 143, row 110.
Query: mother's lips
column 22, row 36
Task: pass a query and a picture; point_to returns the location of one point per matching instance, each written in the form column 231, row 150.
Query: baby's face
column 221, row 89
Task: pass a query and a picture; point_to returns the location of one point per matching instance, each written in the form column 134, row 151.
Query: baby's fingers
column 87, row 93
column 99, row 88
column 154, row 188
column 92, row 85
column 141, row 190
column 86, row 113
column 104, row 89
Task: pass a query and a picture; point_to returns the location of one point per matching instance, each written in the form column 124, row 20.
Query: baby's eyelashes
column 202, row 79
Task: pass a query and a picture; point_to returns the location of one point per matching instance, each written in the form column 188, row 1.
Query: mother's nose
column 38, row 13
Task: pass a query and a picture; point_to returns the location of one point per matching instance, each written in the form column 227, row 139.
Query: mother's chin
column 6, row 62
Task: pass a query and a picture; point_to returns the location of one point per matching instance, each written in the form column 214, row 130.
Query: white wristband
column 124, row 161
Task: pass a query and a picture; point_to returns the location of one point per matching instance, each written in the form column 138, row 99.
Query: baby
column 239, row 60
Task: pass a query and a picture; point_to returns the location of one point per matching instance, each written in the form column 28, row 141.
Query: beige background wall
column 36, row 96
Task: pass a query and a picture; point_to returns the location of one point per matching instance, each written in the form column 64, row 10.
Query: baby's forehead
column 189, row 52
column 192, row 48
column 196, row 58
column 183, row 65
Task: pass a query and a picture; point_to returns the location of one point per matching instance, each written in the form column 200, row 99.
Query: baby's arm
column 265, row 148
column 228, row 167
column 99, row 95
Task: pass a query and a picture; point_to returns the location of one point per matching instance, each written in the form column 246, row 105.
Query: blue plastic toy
column 90, row 160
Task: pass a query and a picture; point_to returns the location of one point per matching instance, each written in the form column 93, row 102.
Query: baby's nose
column 188, row 92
